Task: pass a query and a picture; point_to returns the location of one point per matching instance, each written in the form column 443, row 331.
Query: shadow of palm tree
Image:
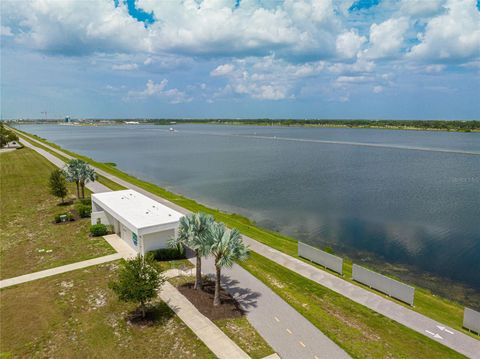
column 244, row 296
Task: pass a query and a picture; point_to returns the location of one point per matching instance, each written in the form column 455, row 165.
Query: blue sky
column 405, row 59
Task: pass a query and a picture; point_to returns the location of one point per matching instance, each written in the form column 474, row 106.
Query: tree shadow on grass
column 156, row 314
column 67, row 202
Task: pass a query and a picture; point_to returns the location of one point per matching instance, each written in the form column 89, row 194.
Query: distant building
column 132, row 122
column 13, row 144
column 67, row 119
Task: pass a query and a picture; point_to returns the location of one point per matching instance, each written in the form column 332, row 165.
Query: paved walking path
column 216, row 340
column 58, row 270
column 452, row 338
column 457, row 341
column 286, row 330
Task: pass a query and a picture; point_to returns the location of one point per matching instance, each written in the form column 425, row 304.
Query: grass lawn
column 362, row 332
column 182, row 264
column 76, row 315
column 29, row 240
column 435, row 307
column 234, row 325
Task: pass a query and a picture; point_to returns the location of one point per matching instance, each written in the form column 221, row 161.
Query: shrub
column 167, row 254
column 70, row 217
column 98, row 230
column 86, row 201
column 84, row 211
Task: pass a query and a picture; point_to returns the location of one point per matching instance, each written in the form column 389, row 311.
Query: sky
column 373, row 59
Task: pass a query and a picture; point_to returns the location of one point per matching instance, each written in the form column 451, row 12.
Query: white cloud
column 352, row 79
column 420, row 8
column 125, row 67
column 387, row 38
column 291, row 28
column 435, row 68
column 453, row 36
column 377, row 89
column 349, row 43
column 222, row 70
column 360, row 66
column 72, row 27
column 266, row 78
column 5, row 31
column 159, row 90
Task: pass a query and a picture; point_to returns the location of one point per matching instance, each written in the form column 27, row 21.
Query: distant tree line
column 444, row 125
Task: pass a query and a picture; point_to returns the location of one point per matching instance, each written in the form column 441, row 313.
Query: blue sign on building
column 134, row 238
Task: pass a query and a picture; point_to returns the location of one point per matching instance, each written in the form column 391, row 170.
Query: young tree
column 192, row 233
column 226, row 247
column 58, row 184
column 139, row 281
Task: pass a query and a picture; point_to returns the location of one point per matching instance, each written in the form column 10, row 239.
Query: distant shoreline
column 407, row 125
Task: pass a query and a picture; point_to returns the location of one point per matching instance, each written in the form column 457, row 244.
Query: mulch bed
column 76, row 217
column 203, row 301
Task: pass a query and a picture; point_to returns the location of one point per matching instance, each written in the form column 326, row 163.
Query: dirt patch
column 203, row 301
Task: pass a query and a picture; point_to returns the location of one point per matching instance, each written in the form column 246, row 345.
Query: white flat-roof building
column 142, row 223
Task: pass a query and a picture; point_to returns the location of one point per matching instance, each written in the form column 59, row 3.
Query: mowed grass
column 362, row 332
column 76, row 315
column 435, row 307
column 29, row 239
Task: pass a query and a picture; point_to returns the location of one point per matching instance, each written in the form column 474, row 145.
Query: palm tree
column 72, row 173
column 226, row 247
column 81, row 173
column 192, row 233
column 87, row 174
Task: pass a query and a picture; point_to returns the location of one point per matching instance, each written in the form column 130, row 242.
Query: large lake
column 410, row 198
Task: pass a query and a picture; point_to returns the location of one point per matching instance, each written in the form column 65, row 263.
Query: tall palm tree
column 87, row 174
column 72, row 173
column 192, row 233
column 226, row 247
column 81, row 173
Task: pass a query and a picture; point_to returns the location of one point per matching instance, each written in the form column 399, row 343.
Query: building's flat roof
column 137, row 209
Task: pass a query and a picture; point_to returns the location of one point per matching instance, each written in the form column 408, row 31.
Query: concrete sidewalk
column 216, row 340
column 424, row 325
column 58, row 270
column 120, row 246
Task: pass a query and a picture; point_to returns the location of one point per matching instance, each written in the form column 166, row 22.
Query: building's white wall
column 100, row 217
column 127, row 235
column 157, row 240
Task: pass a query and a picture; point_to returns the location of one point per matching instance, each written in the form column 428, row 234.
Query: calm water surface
column 406, row 197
